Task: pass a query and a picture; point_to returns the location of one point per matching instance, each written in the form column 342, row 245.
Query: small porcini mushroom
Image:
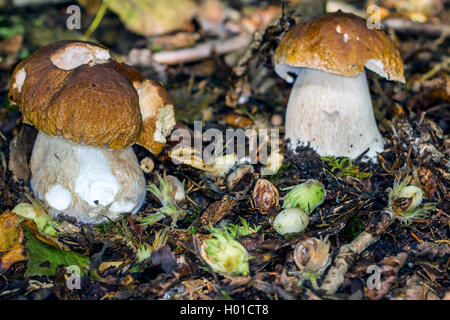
column 330, row 106
column 89, row 110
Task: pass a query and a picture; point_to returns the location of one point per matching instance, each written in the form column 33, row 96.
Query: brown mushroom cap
column 76, row 90
column 339, row 43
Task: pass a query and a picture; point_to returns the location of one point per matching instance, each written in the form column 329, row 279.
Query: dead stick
column 203, row 50
column 403, row 25
column 348, row 252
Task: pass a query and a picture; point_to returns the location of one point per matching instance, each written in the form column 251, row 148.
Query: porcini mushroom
column 329, row 106
column 89, row 110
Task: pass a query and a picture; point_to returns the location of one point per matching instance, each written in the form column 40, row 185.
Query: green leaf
column 153, row 17
column 151, row 218
column 44, row 259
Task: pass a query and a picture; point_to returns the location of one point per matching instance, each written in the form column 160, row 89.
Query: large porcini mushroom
column 89, row 110
column 330, row 106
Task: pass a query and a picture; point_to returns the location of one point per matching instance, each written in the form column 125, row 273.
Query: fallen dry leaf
column 237, row 281
column 11, row 241
column 108, row 264
column 239, row 121
column 164, row 256
column 153, row 17
column 20, row 152
column 431, row 250
column 429, row 182
column 390, row 267
column 11, row 45
column 47, row 239
column 217, row 210
column 190, row 156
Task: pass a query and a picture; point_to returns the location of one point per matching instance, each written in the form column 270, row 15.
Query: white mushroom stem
column 90, row 184
column 334, row 114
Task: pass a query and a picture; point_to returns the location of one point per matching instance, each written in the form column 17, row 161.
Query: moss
column 109, row 227
column 353, row 228
column 345, row 167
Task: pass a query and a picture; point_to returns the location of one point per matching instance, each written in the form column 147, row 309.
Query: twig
column 443, row 65
column 202, row 51
column 249, row 53
column 348, row 252
column 96, row 22
column 437, row 107
column 403, row 25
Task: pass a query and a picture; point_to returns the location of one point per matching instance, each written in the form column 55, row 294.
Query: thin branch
column 96, row 22
column 203, row 50
column 403, row 25
column 349, row 252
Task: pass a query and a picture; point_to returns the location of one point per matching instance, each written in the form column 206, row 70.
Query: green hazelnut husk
column 407, row 199
column 405, row 202
column 26, row 210
column 306, row 196
column 143, row 252
column 224, row 254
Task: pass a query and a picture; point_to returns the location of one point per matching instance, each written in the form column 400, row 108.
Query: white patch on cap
column 376, row 66
column 19, row 79
column 74, row 55
column 346, row 37
column 338, row 29
column 58, row 197
column 95, row 182
column 164, row 123
column 122, row 206
column 101, row 54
